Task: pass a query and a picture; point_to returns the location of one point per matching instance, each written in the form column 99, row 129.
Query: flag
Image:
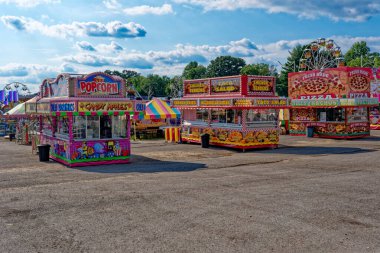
column 15, row 96
column 2, row 95
column 10, row 96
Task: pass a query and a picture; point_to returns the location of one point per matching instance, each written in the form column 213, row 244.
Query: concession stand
column 375, row 92
column 237, row 111
column 333, row 103
column 85, row 119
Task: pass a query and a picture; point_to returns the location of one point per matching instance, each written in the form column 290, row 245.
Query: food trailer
column 375, row 92
column 333, row 103
column 85, row 119
column 237, row 111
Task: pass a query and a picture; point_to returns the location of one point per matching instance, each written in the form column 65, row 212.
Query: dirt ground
column 310, row 195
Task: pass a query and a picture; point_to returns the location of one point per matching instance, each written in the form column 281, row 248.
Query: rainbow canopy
column 159, row 109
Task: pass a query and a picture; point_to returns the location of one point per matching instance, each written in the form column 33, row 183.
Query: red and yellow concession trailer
column 236, row 111
column 333, row 103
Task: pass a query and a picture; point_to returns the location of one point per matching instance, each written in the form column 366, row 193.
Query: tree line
column 153, row 85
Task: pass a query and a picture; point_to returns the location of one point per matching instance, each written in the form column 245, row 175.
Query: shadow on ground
column 142, row 164
column 310, row 150
column 369, row 138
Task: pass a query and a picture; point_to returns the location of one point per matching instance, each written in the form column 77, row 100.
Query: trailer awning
column 18, row 110
column 160, row 109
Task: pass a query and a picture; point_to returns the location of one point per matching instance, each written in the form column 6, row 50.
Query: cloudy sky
column 41, row 38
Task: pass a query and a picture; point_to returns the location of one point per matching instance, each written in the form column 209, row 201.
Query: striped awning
column 160, row 109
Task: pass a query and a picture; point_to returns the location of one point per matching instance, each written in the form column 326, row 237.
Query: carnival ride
column 321, row 54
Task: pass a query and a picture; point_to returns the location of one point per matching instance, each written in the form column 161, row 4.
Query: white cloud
column 85, row 46
column 112, row 4
column 29, row 74
column 347, row 10
column 29, row 3
column 13, row 70
column 111, row 48
column 149, row 10
column 67, row 68
column 168, row 63
column 115, row 29
column 182, row 54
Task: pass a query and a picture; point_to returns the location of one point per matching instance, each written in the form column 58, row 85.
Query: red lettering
column 83, row 87
column 99, row 87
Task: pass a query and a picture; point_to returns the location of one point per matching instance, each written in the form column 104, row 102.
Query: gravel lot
column 310, row 195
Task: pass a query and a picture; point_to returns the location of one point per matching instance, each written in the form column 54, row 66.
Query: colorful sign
column 43, row 107
column 226, row 85
column 196, row 87
column 261, row 85
column 94, row 150
column 344, row 82
column 243, row 102
column 270, row 102
column 331, row 130
column 186, row 102
column 100, row 85
column 140, row 106
column 62, row 107
column 105, row 106
column 232, row 138
column 375, row 83
column 215, row 102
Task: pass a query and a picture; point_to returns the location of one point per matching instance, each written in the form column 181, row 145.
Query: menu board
column 226, row 86
column 196, row 87
column 347, row 82
column 261, row 85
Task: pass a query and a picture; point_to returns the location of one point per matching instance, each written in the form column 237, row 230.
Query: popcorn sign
column 99, row 84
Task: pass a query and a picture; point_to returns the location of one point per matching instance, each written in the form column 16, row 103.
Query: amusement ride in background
column 11, row 93
column 321, row 54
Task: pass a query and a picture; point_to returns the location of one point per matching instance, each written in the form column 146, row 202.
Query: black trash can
column 11, row 137
column 310, row 131
column 205, row 139
column 43, row 152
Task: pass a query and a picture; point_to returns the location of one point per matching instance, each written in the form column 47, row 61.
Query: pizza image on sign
column 315, row 86
column 359, row 82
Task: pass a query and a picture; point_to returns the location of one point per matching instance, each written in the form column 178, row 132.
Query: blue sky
column 41, row 38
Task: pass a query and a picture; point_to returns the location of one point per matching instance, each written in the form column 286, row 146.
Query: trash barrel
column 205, row 139
column 11, row 137
column 310, row 131
column 43, row 152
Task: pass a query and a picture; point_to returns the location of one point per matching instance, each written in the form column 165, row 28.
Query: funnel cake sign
column 100, row 85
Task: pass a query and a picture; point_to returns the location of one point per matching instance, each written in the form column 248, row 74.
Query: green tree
column 225, row 66
column 155, row 85
column 291, row 65
column 175, row 87
column 260, row 69
column 125, row 74
column 357, row 51
column 137, row 83
column 193, row 70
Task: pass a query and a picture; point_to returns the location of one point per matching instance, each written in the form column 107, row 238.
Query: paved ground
column 311, row 195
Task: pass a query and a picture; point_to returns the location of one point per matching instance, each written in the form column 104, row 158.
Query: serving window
column 99, row 127
column 226, row 116
column 202, row 115
column 331, row 114
column 119, row 127
column 357, row 114
column 261, row 115
column 63, row 125
column 47, row 126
